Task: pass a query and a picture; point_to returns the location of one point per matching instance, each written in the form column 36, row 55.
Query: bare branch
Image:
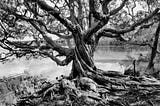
column 158, row 51
column 6, row 33
column 131, row 28
column 40, row 22
column 105, row 6
column 6, row 55
column 1, row 24
column 59, row 62
column 54, row 45
column 119, row 8
column 110, row 35
column 132, row 10
column 103, row 20
column 139, row 44
column 59, row 35
column 27, row 45
column 4, row 46
column 56, row 14
column 144, row 26
column 88, row 35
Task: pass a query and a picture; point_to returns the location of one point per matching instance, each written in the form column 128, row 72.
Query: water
column 117, row 53
column 49, row 69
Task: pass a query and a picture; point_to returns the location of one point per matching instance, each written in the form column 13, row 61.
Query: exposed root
column 86, row 92
column 50, row 91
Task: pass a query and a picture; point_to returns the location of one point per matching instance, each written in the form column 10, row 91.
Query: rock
column 88, row 84
column 67, row 84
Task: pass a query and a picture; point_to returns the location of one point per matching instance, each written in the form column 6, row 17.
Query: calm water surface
column 116, row 53
column 49, row 69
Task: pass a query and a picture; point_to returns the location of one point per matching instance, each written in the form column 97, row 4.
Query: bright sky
column 137, row 8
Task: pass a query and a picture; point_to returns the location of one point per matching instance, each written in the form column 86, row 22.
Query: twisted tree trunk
column 83, row 63
column 150, row 67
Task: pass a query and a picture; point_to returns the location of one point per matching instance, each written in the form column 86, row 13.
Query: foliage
column 84, row 22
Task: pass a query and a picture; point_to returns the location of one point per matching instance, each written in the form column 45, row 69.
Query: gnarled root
column 115, row 91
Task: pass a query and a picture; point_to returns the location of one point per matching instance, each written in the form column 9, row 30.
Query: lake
column 48, row 68
column 117, row 53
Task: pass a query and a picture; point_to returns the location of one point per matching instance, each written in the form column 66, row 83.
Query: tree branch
column 131, row 28
column 7, row 55
column 104, row 4
column 158, row 51
column 119, row 8
column 110, row 35
column 40, row 22
column 103, row 19
column 144, row 26
column 4, row 46
column 139, row 44
column 27, row 45
column 94, row 29
column 60, row 35
column 54, row 45
column 98, row 15
column 59, row 62
column 55, row 13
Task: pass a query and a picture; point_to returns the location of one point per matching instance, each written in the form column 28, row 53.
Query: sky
column 137, row 8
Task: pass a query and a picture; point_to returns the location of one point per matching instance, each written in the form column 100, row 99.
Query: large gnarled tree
column 83, row 21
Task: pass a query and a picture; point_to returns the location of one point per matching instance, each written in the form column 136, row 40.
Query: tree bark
column 154, row 50
column 83, row 62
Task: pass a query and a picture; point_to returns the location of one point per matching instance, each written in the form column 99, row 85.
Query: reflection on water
column 46, row 67
column 120, row 48
column 111, row 48
column 118, row 52
column 50, row 69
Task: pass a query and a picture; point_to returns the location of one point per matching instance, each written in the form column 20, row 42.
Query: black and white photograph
column 79, row 52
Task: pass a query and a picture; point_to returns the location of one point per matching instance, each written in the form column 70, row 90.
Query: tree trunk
column 83, row 63
column 150, row 66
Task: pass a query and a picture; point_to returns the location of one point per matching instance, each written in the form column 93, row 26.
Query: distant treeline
column 123, row 46
column 105, row 42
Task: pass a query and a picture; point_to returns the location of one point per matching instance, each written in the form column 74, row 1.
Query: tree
column 154, row 50
column 83, row 21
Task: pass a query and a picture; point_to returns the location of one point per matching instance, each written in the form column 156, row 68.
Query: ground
column 121, row 90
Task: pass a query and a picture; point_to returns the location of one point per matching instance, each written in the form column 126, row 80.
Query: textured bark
column 154, row 49
column 83, row 61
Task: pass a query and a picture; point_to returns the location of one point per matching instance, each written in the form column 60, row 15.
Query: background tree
column 83, row 21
